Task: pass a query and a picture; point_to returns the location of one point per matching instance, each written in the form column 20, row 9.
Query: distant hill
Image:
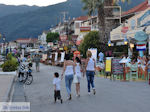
column 11, row 9
column 32, row 23
column 132, row 3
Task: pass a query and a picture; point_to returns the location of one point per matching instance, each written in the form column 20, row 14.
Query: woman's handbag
column 75, row 79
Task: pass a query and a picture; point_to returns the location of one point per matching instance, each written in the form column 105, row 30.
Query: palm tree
column 98, row 6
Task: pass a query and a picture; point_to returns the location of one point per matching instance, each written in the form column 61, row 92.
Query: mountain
column 32, row 23
column 128, row 5
column 11, row 9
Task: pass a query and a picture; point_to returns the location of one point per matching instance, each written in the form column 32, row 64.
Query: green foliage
column 11, row 64
column 9, row 56
column 52, row 37
column 91, row 40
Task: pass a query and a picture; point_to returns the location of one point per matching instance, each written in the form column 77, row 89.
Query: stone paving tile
column 111, row 96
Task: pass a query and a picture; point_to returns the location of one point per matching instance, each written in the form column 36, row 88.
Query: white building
column 42, row 38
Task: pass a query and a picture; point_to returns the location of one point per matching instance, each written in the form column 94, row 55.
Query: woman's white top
column 90, row 65
column 69, row 70
column 78, row 70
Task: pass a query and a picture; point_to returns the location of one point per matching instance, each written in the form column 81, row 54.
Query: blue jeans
column 90, row 79
column 68, row 81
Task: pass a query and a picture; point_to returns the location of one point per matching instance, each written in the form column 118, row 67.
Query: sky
column 31, row 2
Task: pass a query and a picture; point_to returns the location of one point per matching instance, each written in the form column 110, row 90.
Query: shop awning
column 131, row 33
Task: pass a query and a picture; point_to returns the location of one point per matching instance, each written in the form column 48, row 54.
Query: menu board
column 117, row 68
column 108, row 65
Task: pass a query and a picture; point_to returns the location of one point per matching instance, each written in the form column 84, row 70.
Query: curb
column 8, row 94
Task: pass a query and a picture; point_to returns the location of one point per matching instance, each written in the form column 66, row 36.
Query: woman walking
column 68, row 71
column 78, row 70
column 90, row 66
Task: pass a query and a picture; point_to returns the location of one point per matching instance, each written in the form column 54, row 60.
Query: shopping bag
column 75, row 79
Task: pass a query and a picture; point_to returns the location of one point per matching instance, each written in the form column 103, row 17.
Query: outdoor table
column 124, row 61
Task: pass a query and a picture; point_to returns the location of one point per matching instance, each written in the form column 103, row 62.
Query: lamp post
column 4, row 46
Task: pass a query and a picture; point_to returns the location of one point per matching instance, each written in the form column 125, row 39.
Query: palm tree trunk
column 105, row 26
column 101, row 24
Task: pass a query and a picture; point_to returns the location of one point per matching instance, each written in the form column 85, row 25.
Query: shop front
column 138, row 23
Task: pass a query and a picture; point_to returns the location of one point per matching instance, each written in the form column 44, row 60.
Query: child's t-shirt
column 56, row 81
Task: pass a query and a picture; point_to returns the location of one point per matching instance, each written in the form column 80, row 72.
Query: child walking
column 78, row 70
column 56, row 83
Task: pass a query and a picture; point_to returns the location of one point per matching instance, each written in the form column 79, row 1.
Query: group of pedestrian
column 72, row 72
column 143, row 66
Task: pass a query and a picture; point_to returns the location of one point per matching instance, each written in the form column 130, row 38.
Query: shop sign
column 124, row 29
column 85, row 29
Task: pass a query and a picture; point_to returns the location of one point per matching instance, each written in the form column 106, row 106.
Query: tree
column 52, row 37
column 94, row 6
column 91, row 40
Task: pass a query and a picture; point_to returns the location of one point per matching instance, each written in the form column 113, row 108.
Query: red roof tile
column 140, row 7
column 27, row 40
column 81, row 18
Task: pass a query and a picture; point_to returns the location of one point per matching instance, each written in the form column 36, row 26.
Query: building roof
column 27, row 40
column 81, row 18
column 141, row 7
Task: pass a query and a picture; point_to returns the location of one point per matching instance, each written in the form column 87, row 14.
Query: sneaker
column 78, row 95
column 61, row 101
column 69, row 97
column 94, row 92
column 89, row 93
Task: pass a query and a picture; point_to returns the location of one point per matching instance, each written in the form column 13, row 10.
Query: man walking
column 101, row 57
column 37, row 62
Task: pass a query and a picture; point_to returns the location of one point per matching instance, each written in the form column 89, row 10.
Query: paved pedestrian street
column 111, row 96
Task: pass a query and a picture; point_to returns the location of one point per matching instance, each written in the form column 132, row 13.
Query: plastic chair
column 127, row 73
column 134, row 74
column 133, row 70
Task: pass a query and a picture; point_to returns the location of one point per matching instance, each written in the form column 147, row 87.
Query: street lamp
column 4, row 38
column 109, row 43
column 125, row 41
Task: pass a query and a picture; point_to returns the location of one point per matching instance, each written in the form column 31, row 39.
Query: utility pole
column 64, row 14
